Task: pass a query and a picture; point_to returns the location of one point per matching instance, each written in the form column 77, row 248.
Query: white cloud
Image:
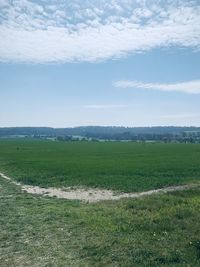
column 94, row 30
column 191, row 87
column 104, row 106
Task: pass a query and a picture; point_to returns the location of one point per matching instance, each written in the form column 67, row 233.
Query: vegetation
column 163, row 134
column 154, row 231
column 123, row 166
column 161, row 230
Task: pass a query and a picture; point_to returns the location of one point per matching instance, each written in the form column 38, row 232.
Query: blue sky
column 72, row 63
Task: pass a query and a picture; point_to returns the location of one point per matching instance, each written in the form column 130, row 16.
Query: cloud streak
column 88, row 31
column 190, row 87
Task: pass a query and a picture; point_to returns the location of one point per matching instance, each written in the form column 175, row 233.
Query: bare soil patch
column 92, row 195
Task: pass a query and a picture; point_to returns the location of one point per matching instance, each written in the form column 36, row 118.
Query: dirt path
column 92, row 195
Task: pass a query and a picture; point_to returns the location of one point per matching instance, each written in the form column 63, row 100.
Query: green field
column 161, row 230
column 123, row 166
column 153, row 231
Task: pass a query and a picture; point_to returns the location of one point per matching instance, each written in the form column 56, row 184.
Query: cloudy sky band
column 32, row 32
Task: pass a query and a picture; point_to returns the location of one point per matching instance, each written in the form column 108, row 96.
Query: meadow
column 157, row 230
column 121, row 166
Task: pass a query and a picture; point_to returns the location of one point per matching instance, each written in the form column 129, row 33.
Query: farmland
column 122, row 166
column 157, row 230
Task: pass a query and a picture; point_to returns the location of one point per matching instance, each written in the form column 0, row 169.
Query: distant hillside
column 107, row 132
column 85, row 130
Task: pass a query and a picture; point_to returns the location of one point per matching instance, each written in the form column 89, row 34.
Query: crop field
column 153, row 231
column 122, row 166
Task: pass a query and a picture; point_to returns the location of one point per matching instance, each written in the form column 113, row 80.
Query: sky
column 99, row 62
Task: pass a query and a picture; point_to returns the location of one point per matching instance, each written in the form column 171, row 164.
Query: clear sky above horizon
column 120, row 63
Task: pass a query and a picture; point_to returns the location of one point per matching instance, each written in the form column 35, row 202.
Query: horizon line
column 104, row 126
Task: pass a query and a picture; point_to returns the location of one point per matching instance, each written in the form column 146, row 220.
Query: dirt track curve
column 92, row 195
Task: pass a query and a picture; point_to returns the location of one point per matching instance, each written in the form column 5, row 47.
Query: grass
column 161, row 230
column 154, row 231
column 123, row 166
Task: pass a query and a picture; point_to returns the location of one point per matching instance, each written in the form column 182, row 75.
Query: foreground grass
column 161, row 230
column 123, row 166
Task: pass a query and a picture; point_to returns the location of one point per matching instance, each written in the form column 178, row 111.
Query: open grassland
column 157, row 230
column 123, row 166
column 160, row 230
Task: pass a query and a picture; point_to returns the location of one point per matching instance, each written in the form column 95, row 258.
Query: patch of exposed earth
column 92, row 195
